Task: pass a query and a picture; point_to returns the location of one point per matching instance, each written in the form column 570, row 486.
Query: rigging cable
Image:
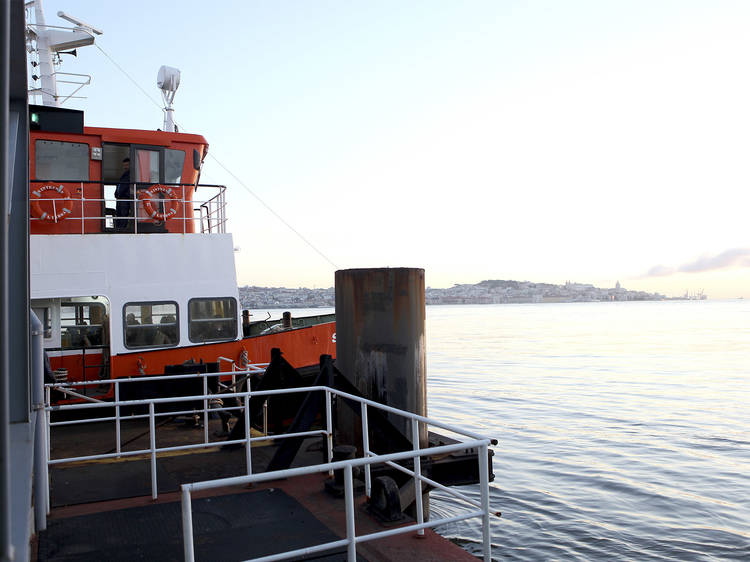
column 227, row 170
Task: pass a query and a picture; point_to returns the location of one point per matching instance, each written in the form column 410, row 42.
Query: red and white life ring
column 147, row 197
column 36, row 208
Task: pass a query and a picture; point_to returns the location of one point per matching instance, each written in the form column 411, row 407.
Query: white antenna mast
column 52, row 41
column 168, row 80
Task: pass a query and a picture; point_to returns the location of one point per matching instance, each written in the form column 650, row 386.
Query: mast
column 168, row 80
column 49, row 42
column 46, row 72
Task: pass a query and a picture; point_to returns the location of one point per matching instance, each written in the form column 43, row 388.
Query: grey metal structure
column 380, row 347
column 16, row 422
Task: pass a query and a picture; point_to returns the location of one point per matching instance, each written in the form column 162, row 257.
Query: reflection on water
column 623, row 427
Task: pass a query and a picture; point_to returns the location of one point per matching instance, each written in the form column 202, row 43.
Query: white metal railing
column 370, row 457
column 206, row 215
column 67, row 389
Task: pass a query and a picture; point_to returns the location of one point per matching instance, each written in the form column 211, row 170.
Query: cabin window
column 82, row 324
column 61, row 161
column 174, row 160
column 212, row 319
column 151, row 324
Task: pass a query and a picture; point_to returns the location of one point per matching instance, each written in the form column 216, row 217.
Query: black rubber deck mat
column 232, row 527
column 72, row 485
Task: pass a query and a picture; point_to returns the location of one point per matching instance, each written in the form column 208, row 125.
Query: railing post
column 265, row 417
column 417, row 475
column 48, row 402
column 484, row 488
column 350, row 531
column 366, row 446
column 152, row 437
column 329, row 429
column 205, row 408
column 83, row 231
column 117, row 418
column 248, row 433
column 187, row 526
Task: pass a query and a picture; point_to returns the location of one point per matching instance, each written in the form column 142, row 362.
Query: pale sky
column 590, row 141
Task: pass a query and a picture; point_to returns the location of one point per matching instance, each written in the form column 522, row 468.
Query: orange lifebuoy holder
column 36, row 208
column 147, row 197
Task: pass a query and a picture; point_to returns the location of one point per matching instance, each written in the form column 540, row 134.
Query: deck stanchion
column 187, row 526
column 265, row 417
column 350, row 531
column 48, row 430
column 248, row 445
column 366, row 447
column 48, row 403
column 417, row 475
column 205, row 408
column 484, row 487
column 117, row 418
column 329, row 429
column 152, row 438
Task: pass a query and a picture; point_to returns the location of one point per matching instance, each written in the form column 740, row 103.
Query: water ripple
column 619, row 439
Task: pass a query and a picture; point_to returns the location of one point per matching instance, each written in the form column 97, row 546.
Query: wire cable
column 227, row 170
column 121, row 69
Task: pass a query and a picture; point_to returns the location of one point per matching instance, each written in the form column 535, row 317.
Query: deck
column 102, row 510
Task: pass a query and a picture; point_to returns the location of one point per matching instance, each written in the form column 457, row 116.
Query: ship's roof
column 141, row 136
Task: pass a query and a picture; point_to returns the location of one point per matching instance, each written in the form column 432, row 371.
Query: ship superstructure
column 132, row 269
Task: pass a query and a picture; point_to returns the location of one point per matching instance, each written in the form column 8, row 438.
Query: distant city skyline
column 491, row 291
column 583, row 140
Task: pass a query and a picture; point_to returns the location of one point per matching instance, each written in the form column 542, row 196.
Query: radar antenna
column 168, row 80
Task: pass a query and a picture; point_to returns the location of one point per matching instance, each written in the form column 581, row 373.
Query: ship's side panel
column 301, row 347
column 124, row 268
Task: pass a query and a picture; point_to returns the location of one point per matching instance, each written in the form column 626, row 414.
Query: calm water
column 624, row 428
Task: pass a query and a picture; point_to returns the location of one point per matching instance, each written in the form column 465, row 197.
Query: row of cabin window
column 156, row 324
column 69, row 161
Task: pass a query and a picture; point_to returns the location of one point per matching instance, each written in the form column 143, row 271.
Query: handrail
column 369, row 457
column 212, row 221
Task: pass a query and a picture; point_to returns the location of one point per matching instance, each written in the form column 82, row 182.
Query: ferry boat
column 132, row 269
column 132, row 274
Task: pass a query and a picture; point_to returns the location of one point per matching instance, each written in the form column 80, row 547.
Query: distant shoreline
column 485, row 292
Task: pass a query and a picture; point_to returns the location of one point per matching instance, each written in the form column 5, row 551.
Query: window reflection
column 212, row 319
column 151, row 324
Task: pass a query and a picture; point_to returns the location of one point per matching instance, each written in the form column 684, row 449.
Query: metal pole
column 265, row 417
column 417, row 474
column 48, row 430
column 187, row 526
column 484, row 487
column 205, row 409
column 152, row 436
column 366, row 447
column 117, row 419
column 6, row 187
column 41, row 483
column 329, row 429
column 350, row 531
column 248, row 446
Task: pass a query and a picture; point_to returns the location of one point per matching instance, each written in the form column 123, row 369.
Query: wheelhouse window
column 61, row 161
column 82, row 324
column 174, row 160
column 212, row 319
column 151, row 324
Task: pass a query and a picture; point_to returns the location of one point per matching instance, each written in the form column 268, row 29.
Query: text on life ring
column 147, row 197
column 61, row 206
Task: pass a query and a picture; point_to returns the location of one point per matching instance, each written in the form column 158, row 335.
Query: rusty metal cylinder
column 380, row 339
